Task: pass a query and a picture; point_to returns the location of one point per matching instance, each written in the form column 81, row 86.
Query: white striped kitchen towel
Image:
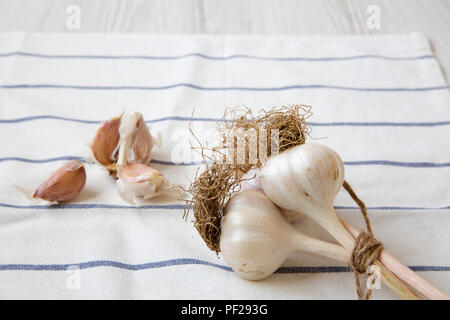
column 380, row 101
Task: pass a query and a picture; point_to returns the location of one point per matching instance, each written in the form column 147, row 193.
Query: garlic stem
column 336, row 229
column 404, row 273
column 330, row 250
column 395, row 284
column 334, row 226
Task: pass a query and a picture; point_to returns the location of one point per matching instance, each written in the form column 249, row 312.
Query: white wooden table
column 301, row 17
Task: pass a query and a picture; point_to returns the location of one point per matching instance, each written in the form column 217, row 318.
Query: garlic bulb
column 256, row 239
column 306, row 179
column 64, row 184
column 138, row 180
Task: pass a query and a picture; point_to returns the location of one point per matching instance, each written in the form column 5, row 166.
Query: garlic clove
column 121, row 140
column 138, row 180
column 64, row 184
column 135, row 142
column 104, row 144
column 140, row 173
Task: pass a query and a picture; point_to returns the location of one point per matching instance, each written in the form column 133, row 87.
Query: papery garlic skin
column 251, row 181
column 138, row 180
column 306, row 179
column 135, row 142
column 64, row 184
column 142, row 143
column 253, row 240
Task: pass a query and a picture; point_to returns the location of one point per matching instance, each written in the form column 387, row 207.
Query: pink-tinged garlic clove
column 137, row 180
column 64, row 184
column 140, row 173
column 104, row 144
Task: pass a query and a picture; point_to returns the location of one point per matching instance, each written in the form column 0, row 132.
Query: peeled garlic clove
column 138, row 180
column 135, row 142
column 64, row 184
column 104, row 144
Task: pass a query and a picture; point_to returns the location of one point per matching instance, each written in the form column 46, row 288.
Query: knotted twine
column 366, row 250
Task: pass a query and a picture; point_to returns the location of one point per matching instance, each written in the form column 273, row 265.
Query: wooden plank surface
column 301, row 17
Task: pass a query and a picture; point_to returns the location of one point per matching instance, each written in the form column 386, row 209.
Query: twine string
column 366, row 250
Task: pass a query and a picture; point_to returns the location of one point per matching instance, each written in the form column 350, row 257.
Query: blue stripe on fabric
column 170, row 163
column 196, row 163
column 178, row 118
column 108, row 263
column 93, row 206
column 197, row 87
column 181, row 207
column 32, row 118
column 187, row 261
column 68, row 158
column 391, row 208
column 63, row 158
column 398, row 164
column 209, row 57
column 379, row 124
